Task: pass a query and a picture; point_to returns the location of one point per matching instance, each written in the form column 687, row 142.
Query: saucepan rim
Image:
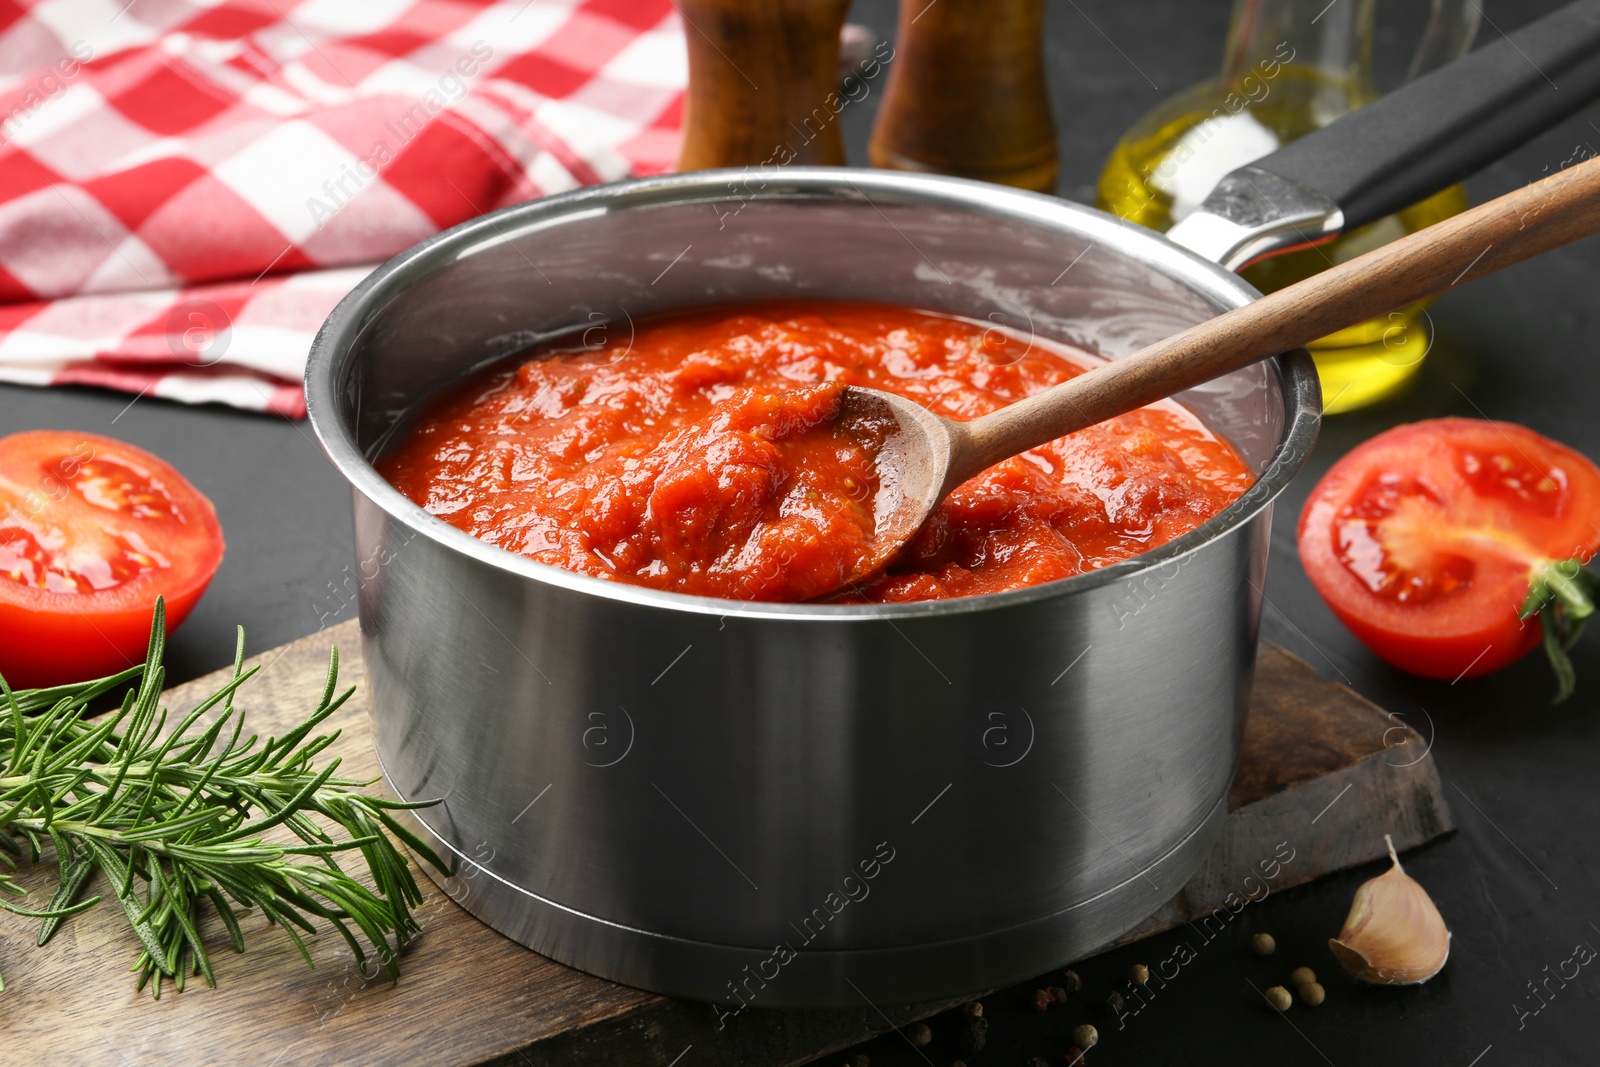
column 1301, row 392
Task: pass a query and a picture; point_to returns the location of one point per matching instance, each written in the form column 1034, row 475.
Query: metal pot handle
column 1405, row 146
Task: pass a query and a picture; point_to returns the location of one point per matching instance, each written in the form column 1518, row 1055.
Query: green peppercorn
column 1139, row 974
column 1302, row 976
column 1085, row 1036
column 1279, row 998
column 919, row 1034
column 973, row 1009
column 1263, row 945
column 1312, row 994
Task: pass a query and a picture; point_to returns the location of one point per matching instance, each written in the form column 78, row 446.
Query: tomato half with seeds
column 92, row 531
column 1437, row 542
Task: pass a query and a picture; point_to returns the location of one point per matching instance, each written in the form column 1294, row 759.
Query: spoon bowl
column 912, row 447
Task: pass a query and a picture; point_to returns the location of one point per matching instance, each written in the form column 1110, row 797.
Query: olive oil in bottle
column 1291, row 67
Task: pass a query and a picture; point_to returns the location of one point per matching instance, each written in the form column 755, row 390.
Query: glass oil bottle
column 1291, row 66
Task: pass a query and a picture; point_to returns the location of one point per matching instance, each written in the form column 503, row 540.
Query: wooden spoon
column 923, row 456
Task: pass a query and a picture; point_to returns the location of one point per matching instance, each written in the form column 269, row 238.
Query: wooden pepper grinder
column 763, row 83
column 967, row 94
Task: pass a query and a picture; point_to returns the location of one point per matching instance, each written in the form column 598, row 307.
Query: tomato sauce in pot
column 696, row 456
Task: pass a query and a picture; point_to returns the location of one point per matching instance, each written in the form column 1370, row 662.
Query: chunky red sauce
column 695, row 456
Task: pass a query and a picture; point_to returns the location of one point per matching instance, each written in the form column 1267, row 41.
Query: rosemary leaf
column 172, row 817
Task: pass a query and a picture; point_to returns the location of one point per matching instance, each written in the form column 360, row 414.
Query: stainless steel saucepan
column 811, row 804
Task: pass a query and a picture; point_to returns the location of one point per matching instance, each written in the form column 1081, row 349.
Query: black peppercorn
column 1114, row 1002
column 974, row 1035
column 1041, row 1000
column 1057, row 994
column 1071, row 980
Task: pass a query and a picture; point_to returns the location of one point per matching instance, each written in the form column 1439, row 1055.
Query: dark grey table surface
column 1519, row 883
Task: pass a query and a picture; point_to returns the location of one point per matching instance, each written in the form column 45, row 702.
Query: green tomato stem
column 1562, row 594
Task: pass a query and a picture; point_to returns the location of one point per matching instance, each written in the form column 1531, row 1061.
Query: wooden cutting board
column 1324, row 773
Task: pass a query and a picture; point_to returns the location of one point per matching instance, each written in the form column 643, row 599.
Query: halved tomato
column 92, row 530
column 1437, row 542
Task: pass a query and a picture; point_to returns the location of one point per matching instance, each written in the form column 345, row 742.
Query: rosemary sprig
column 173, row 819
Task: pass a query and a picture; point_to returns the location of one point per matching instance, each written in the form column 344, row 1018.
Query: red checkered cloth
column 187, row 187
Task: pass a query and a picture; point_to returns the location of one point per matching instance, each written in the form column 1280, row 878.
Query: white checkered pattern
column 187, row 187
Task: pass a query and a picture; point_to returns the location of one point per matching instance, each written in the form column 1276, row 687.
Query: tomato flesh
column 92, row 530
column 1424, row 540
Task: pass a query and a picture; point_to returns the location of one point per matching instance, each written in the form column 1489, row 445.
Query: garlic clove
column 1393, row 935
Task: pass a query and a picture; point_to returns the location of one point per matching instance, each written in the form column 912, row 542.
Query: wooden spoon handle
column 1541, row 216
